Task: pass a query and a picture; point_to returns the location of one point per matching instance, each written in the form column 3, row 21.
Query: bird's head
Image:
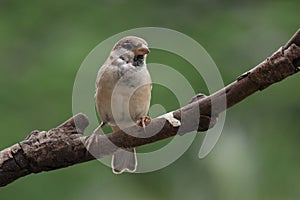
column 132, row 50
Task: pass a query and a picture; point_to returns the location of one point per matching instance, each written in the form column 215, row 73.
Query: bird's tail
column 123, row 159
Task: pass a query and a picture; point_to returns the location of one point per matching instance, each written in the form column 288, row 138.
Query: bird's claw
column 144, row 121
column 94, row 138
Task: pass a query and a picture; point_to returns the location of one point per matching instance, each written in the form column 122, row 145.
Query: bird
column 123, row 94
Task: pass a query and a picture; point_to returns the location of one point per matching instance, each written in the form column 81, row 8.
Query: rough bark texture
column 64, row 146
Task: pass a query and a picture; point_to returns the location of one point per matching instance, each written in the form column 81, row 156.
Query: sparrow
column 123, row 93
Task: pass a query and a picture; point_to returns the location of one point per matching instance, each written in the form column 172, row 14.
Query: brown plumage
column 123, row 92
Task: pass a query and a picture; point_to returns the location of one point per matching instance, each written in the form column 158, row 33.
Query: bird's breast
column 123, row 94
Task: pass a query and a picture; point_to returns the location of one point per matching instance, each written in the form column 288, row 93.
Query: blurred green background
column 43, row 43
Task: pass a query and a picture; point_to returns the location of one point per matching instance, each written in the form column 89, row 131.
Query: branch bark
column 64, row 146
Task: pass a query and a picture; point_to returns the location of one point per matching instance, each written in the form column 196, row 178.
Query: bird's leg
column 144, row 121
column 94, row 138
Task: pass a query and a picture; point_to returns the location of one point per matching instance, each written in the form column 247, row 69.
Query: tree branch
column 64, row 146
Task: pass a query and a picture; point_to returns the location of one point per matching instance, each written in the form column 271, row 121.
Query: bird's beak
column 143, row 50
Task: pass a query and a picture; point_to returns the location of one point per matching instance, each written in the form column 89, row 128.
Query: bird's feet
column 93, row 140
column 144, row 121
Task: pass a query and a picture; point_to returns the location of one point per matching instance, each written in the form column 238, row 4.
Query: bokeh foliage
column 42, row 44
